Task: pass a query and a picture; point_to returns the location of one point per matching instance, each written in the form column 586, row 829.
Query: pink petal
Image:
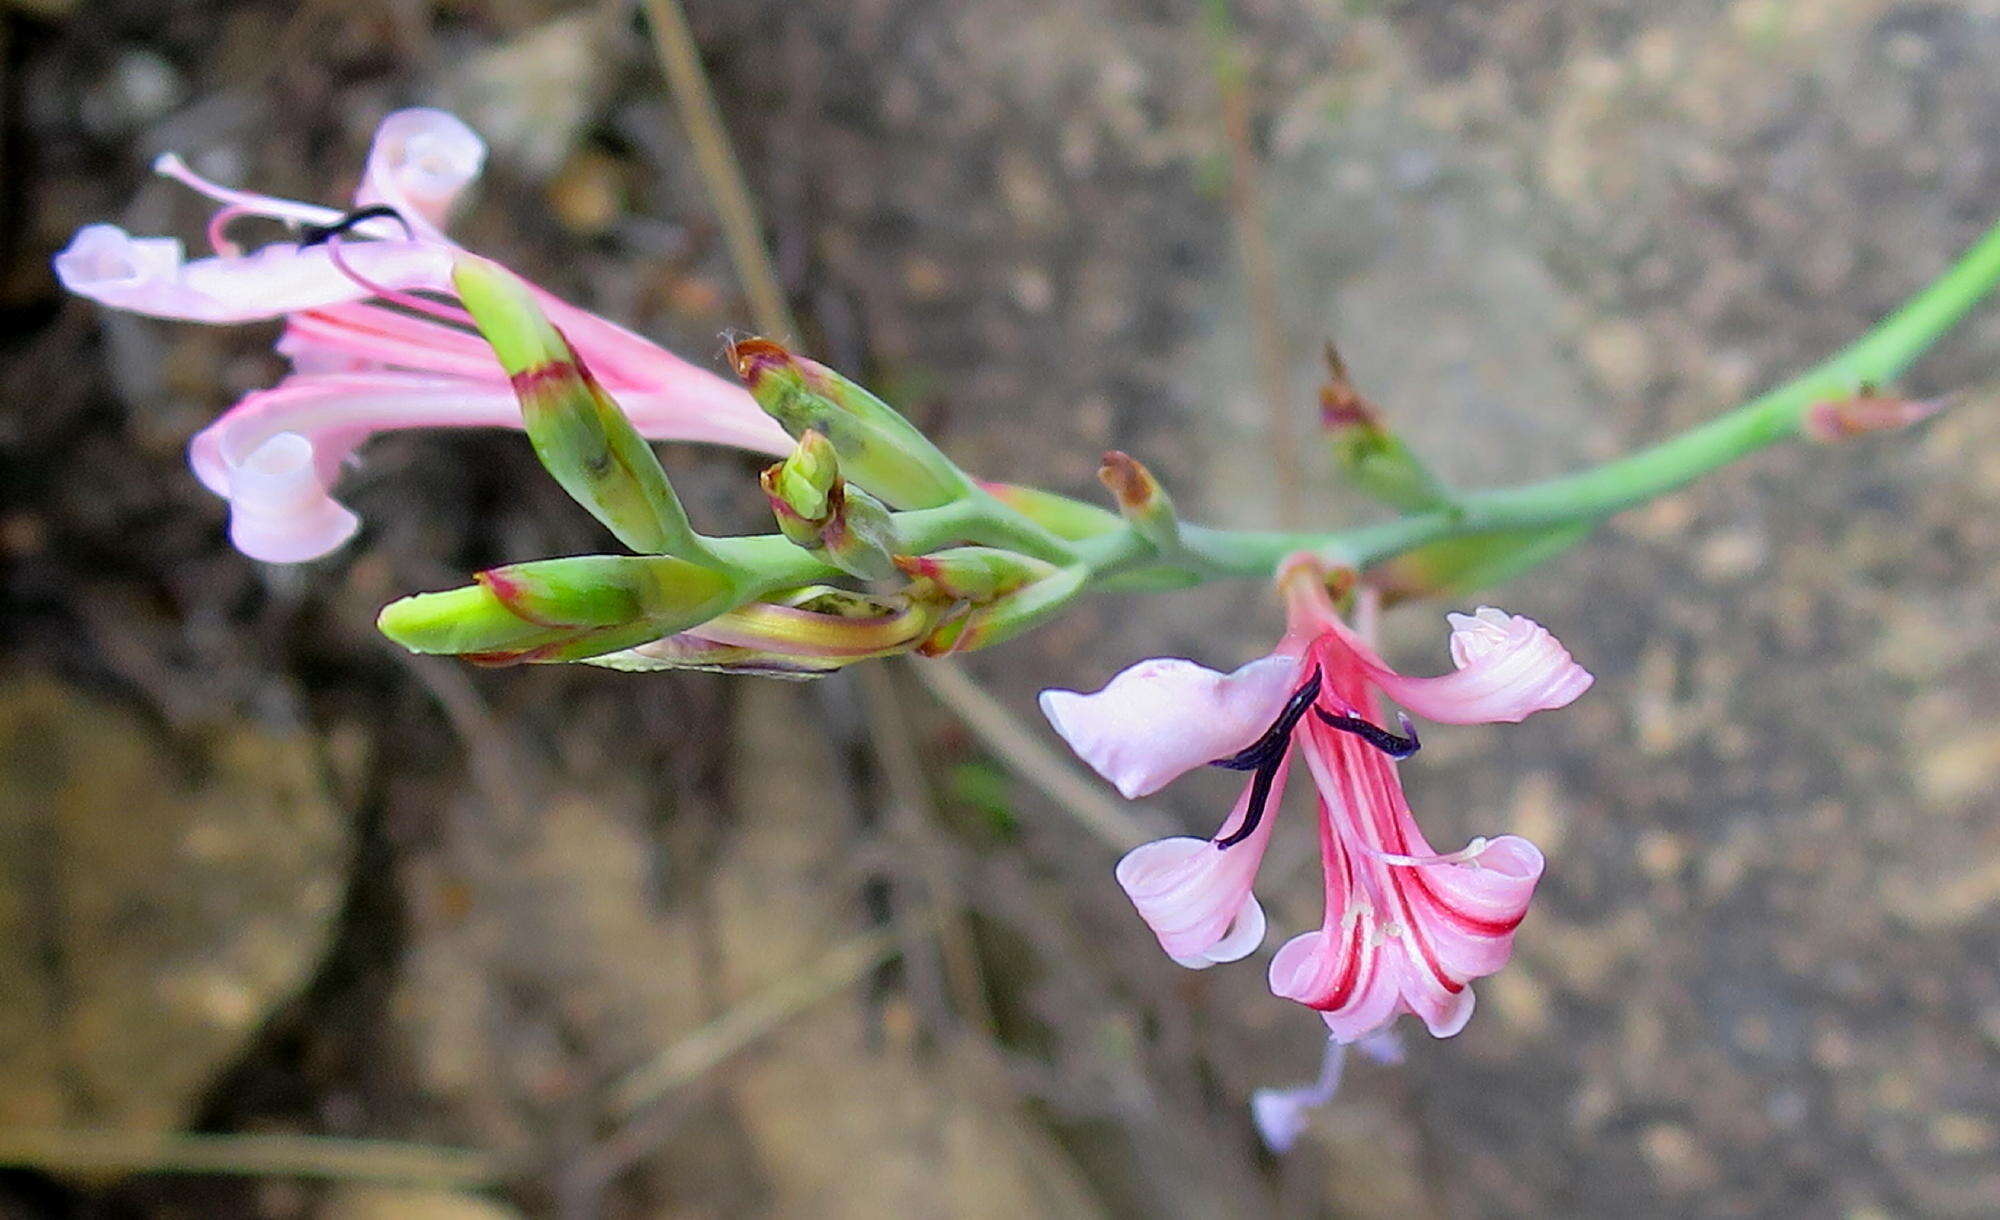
column 279, row 511
column 1509, row 667
column 1196, row 896
column 1164, row 717
column 363, row 336
column 149, row 276
column 1346, row 972
column 419, row 163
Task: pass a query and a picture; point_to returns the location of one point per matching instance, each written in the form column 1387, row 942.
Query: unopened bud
column 807, row 477
column 561, row 609
column 578, row 432
column 820, row 512
column 1371, row 456
column 800, row 634
column 970, row 573
column 1141, row 499
column 1007, row 616
column 878, row 448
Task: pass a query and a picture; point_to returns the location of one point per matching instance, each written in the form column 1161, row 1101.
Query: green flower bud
column 879, row 449
column 971, row 573
column 578, row 432
column 818, row 511
column 1007, row 616
column 1373, row 457
column 561, row 609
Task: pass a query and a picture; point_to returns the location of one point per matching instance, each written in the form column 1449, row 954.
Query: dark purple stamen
column 313, row 235
column 1260, row 795
column 1263, row 756
column 1375, row 735
column 1271, row 746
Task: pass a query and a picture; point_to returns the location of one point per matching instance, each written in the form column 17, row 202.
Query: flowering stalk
column 390, row 324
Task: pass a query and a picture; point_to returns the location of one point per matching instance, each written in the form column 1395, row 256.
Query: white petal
column 1166, row 716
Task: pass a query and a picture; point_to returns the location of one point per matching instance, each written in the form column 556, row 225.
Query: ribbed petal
column 149, row 275
column 1509, row 667
column 1196, row 896
column 1164, row 717
column 418, row 164
column 279, row 511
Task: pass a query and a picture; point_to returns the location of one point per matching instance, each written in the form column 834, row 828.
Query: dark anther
column 1374, row 734
column 1269, row 748
column 1263, row 756
column 313, row 235
column 1260, row 795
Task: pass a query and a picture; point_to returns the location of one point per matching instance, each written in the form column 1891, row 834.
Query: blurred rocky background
column 687, row 946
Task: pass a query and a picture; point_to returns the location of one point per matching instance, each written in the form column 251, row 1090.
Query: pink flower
column 368, row 355
column 1405, row 929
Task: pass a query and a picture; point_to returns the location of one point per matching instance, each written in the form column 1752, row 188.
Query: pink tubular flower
column 1405, row 929
column 368, row 356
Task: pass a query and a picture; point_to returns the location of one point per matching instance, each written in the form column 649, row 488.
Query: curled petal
column 1344, row 970
column 1197, row 896
column 1468, row 911
column 1164, row 717
column 148, row 275
column 419, row 163
column 279, row 511
column 1509, row 667
column 1196, row 899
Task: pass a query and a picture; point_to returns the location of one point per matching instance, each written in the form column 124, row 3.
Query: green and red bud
column 819, row 511
column 1141, row 500
column 800, row 634
column 1375, row 459
column 578, row 432
column 1007, row 616
column 879, row 449
column 561, row 609
column 970, row 573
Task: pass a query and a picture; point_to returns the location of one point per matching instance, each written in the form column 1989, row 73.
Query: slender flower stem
column 1589, row 495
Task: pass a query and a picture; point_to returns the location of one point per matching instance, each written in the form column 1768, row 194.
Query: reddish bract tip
column 753, row 357
column 1128, row 480
column 1340, row 404
column 512, row 594
column 1845, row 418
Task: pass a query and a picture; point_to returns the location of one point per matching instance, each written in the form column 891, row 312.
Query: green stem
column 1589, row 495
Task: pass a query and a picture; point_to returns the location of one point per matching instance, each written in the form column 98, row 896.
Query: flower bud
column 1373, row 457
column 801, row 634
column 818, row 511
column 561, row 609
column 970, row 573
column 1007, row 616
column 578, row 432
column 1141, row 500
column 879, row 449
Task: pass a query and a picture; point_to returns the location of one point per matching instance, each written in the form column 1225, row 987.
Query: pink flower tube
column 367, row 354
